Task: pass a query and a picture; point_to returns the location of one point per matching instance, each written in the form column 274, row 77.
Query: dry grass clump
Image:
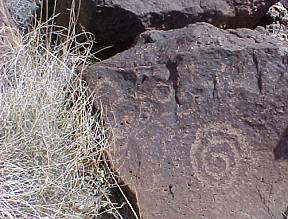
column 51, row 141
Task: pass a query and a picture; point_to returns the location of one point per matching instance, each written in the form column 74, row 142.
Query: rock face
column 200, row 121
column 118, row 22
column 22, row 11
column 285, row 3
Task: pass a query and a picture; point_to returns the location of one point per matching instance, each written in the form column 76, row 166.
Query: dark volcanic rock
column 118, row 22
column 285, row 3
column 200, row 122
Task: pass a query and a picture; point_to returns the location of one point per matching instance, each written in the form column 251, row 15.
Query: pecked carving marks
column 152, row 129
column 217, row 154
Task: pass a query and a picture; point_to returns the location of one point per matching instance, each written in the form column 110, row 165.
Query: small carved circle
column 218, row 153
column 162, row 93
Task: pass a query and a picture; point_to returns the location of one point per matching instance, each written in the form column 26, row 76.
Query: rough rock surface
column 22, row 11
column 276, row 22
column 285, row 3
column 278, row 13
column 118, row 22
column 199, row 117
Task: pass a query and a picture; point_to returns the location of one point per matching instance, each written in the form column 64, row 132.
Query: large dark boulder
column 199, row 117
column 117, row 22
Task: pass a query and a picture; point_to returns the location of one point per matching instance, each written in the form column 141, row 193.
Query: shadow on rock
column 281, row 150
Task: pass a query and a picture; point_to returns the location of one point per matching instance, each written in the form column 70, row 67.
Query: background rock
column 285, row 3
column 199, row 117
column 278, row 13
column 276, row 21
column 22, row 11
column 117, row 22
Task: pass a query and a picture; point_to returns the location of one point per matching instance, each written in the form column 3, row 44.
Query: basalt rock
column 199, row 117
column 285, row 3
column 117, row 22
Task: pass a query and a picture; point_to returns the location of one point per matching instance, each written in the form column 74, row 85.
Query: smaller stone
column 277, row 17
column 277, row 12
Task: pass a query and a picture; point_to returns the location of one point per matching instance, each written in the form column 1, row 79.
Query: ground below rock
column 200, row 121
column 117, row 22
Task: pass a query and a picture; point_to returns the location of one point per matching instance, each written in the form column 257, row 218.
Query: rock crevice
column 117, row 23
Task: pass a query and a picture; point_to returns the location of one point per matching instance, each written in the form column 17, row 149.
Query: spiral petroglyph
column 217, row 154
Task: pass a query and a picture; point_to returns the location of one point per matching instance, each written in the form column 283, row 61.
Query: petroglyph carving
column 217, row 152
column 162, row 93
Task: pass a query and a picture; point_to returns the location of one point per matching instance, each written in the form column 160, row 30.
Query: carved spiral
column 217, row 153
